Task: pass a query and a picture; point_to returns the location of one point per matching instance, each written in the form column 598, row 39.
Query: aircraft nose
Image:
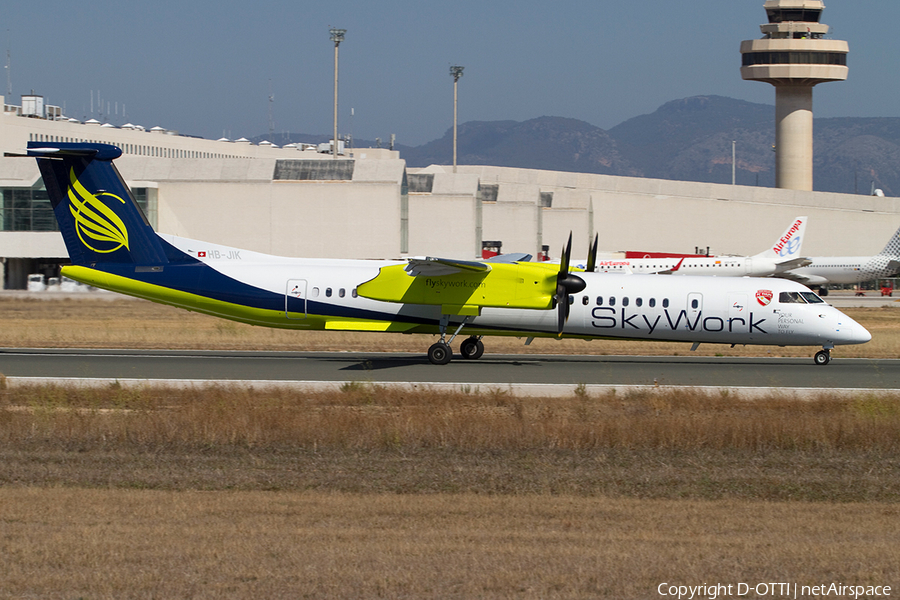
column 851, row 332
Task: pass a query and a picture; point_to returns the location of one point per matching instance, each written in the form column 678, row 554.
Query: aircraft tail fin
column 787, row 246
column 893, row 246
column 98, row 216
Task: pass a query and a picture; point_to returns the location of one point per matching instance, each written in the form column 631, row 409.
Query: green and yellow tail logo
column 97, row 226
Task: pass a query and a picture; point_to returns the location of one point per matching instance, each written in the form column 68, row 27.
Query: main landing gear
column 440, row 353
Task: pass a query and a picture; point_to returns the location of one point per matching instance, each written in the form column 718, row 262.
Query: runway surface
column 491, row 370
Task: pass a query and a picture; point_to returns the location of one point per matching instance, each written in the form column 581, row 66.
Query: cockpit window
column 791, row 298
column 812, row 298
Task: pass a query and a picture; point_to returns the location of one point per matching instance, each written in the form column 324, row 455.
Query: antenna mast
column 271, row 111
column 8, row 76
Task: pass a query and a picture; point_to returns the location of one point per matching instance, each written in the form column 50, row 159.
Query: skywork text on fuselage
column 606, row 317
column 434, row 283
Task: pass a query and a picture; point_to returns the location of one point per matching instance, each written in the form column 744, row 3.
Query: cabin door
column 295, row 299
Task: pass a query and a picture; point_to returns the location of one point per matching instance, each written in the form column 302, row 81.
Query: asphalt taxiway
column 552, row 374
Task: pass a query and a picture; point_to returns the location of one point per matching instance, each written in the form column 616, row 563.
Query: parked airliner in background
column 783, row 255
column 112, row 246
column 823, row 270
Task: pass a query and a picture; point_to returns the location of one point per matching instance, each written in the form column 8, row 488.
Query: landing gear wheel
column 822, row 357
column 440, row 353
column 471, row 348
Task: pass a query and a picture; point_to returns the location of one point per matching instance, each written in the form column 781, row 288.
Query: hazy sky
column 205, row 67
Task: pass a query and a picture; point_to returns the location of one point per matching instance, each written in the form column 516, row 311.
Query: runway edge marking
column 543, row 390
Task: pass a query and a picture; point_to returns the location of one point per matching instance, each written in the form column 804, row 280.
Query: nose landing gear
column 822, row 357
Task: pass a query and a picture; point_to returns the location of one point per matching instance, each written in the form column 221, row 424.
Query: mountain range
column 688, row 140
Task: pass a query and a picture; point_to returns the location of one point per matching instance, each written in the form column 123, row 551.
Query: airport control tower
column 793, row 55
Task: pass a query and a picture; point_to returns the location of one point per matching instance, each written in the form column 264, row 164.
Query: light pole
column 337, row 36
column 455, row 72
column 733, row 142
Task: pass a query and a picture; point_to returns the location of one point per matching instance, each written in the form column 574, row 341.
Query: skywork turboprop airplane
column 781, row 256
column 849, row 269
column 112, row 246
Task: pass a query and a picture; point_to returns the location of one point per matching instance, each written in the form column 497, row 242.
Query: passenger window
column 328, row 292
column 341, row 292
column 651, row 302
column 625, row 301
column 571, row 300
column 315, row 292
column 695, row 303
column 599, row 300
column 612, row 300
column 585, row 300
column 639, row 301
column 665, row 303
column 354, row 293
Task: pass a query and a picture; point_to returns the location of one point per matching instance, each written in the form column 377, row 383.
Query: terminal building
column 366, row 203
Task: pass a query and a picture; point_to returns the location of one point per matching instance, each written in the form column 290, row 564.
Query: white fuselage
column 723, row 266
column 844, row 269
column 692, row 309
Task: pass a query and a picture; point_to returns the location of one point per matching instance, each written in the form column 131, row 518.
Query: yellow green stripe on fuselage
column 257, row 316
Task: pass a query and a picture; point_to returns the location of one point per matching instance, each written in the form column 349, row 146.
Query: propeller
column 592, row 255
column 566, row 285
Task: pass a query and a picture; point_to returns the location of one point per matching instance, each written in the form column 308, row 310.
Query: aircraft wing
column 465, row 287
column 509, row 258
column 795, row 263
column 435, row 267
column 793, row 277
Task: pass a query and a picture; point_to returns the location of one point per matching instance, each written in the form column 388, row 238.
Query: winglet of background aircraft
column 673, row 269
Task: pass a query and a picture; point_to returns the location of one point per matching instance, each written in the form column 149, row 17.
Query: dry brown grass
column 75, row 543
column 672, row 444
column 130, row 323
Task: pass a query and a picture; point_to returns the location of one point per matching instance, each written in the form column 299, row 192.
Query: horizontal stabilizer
column 97, row 151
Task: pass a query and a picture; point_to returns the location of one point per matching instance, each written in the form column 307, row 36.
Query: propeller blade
column 592, row 255
column 566, row 285
column 566, row 254
column 562, row 315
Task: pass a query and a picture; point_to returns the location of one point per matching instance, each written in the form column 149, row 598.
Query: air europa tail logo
column 788, row 244
column 97, row 226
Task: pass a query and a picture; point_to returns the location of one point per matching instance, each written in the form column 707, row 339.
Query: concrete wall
column 444, row 221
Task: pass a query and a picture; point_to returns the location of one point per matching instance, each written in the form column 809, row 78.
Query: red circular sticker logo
column 764, row 297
